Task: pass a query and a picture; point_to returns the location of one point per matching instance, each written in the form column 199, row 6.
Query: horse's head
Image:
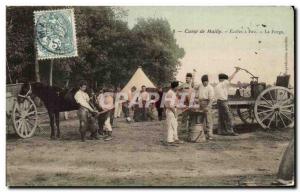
column 26, row 90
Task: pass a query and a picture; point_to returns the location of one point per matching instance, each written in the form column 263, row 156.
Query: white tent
column 138, row 79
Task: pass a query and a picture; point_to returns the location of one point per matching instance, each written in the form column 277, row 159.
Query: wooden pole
column 51, row 73
column 36, row 62
column 37, row 71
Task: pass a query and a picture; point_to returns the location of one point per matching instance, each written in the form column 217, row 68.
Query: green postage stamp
column 55, row 34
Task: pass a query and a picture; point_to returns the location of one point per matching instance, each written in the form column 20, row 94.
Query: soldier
column 85, row 112
column 205, row 95
column 133, row 97
column 108, row 106
column 188, row 81
column 225, row 126
column 125, row 106
column 118, row 105
column 143, row 99
column 158, row 103
column 171, row 121
column 101, row 118
column 186, row 89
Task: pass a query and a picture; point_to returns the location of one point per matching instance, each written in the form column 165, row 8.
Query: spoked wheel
column 274, row 108
column 246, row 115
column 25, row 117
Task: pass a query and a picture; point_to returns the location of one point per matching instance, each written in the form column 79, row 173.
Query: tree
column 19, row 42
column 103, row 40
column 156, row 49
column 20, row 48
column 109, row 52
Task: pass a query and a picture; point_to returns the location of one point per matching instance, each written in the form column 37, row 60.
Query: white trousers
column 172, row 124
column 118, row 109
column 107, row 125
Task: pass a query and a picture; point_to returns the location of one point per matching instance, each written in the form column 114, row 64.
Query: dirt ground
column 137, row 156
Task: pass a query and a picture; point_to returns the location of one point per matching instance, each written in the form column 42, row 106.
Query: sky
column 263, row 53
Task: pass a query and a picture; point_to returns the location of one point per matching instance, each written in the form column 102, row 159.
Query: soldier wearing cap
column 188, row 82
column 170, row 103
column 225, row 126
column 186, row 91
column 205, row 95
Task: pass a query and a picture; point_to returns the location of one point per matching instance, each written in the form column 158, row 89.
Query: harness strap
column 26, row 95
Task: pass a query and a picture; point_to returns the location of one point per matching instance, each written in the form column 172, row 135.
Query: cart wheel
column 274, row 108
column 246, row 115
column 24, row 117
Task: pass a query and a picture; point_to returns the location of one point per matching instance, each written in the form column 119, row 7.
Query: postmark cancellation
column 55, row 34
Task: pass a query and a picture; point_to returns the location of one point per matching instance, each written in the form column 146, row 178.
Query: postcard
column 150, row 96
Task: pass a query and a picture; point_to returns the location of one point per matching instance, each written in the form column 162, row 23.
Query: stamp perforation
column 70, row 13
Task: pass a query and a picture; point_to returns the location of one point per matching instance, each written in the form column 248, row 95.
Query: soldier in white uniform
column 107, row 104
column 118, row 105
column 85, row 112
column 171, row 120
column 205, row 95
column 225, row 126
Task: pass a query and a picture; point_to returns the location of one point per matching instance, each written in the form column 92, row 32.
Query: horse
column 55, row 100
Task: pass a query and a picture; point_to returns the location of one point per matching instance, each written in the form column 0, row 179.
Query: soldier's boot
column 109, row 136
column 82, row 134
column 94, row 136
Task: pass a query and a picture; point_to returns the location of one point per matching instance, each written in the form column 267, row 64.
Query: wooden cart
column 271, row 107
column 21, row 112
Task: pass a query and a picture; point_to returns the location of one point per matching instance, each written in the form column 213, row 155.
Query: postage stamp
column 55, row 34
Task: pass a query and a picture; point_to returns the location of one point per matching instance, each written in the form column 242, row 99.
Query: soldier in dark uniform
column 186, row 89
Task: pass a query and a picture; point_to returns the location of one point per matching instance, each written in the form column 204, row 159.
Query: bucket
column 196, row 133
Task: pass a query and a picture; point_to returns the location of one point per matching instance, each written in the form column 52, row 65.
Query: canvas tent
column 138, row 79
